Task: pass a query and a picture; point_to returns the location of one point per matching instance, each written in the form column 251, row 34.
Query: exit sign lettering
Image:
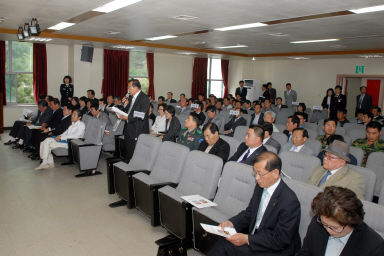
column 360, row 69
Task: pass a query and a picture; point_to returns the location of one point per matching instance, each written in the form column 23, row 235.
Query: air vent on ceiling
column 184, row 17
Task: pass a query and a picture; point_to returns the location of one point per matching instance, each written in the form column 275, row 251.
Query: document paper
column 198, row 201
column 216, row 230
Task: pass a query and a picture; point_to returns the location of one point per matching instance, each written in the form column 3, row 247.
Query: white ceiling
column 151, row 18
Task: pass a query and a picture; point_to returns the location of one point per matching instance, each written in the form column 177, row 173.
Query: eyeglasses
column 330, row 157
column 254, row 174
column 336, row 230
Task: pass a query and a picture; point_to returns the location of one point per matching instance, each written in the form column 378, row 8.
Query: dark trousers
column 25, row 134
column 130, row 148
column 223, row 248
column 37, row 138
column 15, row 128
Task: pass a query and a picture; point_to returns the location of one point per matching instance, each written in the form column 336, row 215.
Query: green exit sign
column 360, row 69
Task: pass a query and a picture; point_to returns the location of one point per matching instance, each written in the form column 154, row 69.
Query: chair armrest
column 138, row 171
column 87, row 145
column 160, row 185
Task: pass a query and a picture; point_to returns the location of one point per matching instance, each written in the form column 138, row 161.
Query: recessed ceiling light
column 314, row 41
column 187, row 53
column 278, row 34
column 61, row 25
column 232, row 46
column 115, row 5
column 198, row 43
column 371, row 56
column 112, row 32
column 40, row 39
column 298, row 58
column 122, row 47
column 184, row 17
column 160, row 37
column 369, row 9
column 253, row 58
column 244, row 26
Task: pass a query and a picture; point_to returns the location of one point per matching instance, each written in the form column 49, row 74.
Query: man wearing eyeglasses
column 336, row 172
column 270, row 223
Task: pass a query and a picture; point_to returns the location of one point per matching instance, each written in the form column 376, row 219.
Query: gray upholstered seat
column 312, row 133
column 109, row 141
column 240, row 133
column 271, row 149
column 374, row 216
column 314, row 144
column 370, row 180
column 280, row 137
column 87, row 152
column 318, row 115
column 375, row 163
column 143, row 159
column 200, row 176
column 235, row 191
column 233, row 144
column 305, row 193
column 358, row 153
column 282, row 116
column 357, row 133
column 312, row 126
column 381, row 196
column 347, row 139
column 167, row 169
column 298, row 166
column 247, row 118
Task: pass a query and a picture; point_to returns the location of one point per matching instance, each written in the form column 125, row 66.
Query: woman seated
column 172, row 125
column 75, row 131
column 159, row 124
column 338, row 227
column 213, row 144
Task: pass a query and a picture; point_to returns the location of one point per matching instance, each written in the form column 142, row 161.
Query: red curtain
column 2, row 71
column 39, row 70
column 199, row 82
column 150, row 67
column 116, row 73
column 224, row 73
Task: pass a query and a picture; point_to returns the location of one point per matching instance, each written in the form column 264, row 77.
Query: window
column 138, row 69
column 19, row 72
column 215, row 83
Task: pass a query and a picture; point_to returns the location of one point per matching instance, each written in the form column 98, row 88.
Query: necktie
column 360, row 100
column 245, row 156
column 324, row 179
column 294, row 148
column 131, row 106
column 260, row 212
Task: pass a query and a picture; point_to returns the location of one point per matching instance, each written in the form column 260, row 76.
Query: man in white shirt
column 270, row 223
column 289, row 95
column 297, row 143
column 74, row 131
column 269, row 117
column 258, row 116
column 268, row 140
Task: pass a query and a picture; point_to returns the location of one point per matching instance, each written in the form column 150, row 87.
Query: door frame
column 340, row 80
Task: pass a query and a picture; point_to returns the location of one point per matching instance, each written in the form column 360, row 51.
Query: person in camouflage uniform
column 372, row 142
column 329, row 129
column 191, row 136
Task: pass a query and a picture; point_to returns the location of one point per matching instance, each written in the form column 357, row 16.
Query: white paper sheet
column 198, row 201
column 27, row 112
column 119, row 112
column 216, row 230
column 34, row 127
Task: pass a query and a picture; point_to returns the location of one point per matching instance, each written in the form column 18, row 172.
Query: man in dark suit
column 279, row 104
column 242, row 91
column 137, row 119
column 272, row 92
column 270, row 223
column 252, row 147
column 230, row 127
column 340, row 99
column 293, row 122
column 258, row 116
column 268, row 140
column 169, row 98
column 364, row 100
column 342, row 231
column 213, row 144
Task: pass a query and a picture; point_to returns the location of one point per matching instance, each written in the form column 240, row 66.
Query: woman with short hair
column 66, row 90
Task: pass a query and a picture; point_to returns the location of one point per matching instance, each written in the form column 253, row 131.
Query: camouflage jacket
column 191, row 139
column 378, row 146
column 323, row 141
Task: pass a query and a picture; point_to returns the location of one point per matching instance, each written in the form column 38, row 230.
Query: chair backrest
column 347, row 139
column 94, row 131
column 314, row 144
column 312, row 126
column 351, row 126
column 169, row 162
column 146, row 150
column 280, row 137
column 240, row 133
column 270, row 148
column 282, row 116
column 305, row 193
column 370, row 180
column 381, row 196
column 318, row 115
column 281, row 127
column 298, row 166
column 312, row 133
column 150, row 122
column 201, row 173
column 182, row 119
column 340, row 131
column 374, row 216
column 247, row 118
column 375, row 162
column 356, row 134
column 358, row 153
column 233, row 144
column 236, row 188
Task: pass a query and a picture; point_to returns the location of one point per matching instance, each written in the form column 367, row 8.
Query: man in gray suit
column 289, row 95
column 268, row 140
column 297, row 143
column 212, row 116
column 99, row 114
column 336, row 172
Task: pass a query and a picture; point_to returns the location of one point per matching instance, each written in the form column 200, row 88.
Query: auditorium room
column 180, row 127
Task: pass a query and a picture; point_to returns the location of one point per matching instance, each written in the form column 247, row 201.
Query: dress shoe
column 118, row 204
column 88, row 173
column 18, row 146
column 28, row 149
column 10, row 142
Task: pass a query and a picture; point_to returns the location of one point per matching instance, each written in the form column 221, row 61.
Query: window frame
column 11, row 72
column 138, row 77
column 209, row 79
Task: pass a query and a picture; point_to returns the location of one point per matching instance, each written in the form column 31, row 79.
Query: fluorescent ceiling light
column 114, row 5
column 298, row 58
column 41, row 39
column 187, row 53
column 244, row 26
column 160, row 37
column 232, row 46
column 314, row 41
column 122, row 47
column 369, row 9
column 61, row 25
column 371, row 56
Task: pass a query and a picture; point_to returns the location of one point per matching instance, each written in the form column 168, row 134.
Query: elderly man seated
column 297, row 143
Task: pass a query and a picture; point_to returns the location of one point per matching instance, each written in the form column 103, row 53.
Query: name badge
column 317, row 107
column 295, row 103
column 138, row 114
column 233, row 112
column 195, row 106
